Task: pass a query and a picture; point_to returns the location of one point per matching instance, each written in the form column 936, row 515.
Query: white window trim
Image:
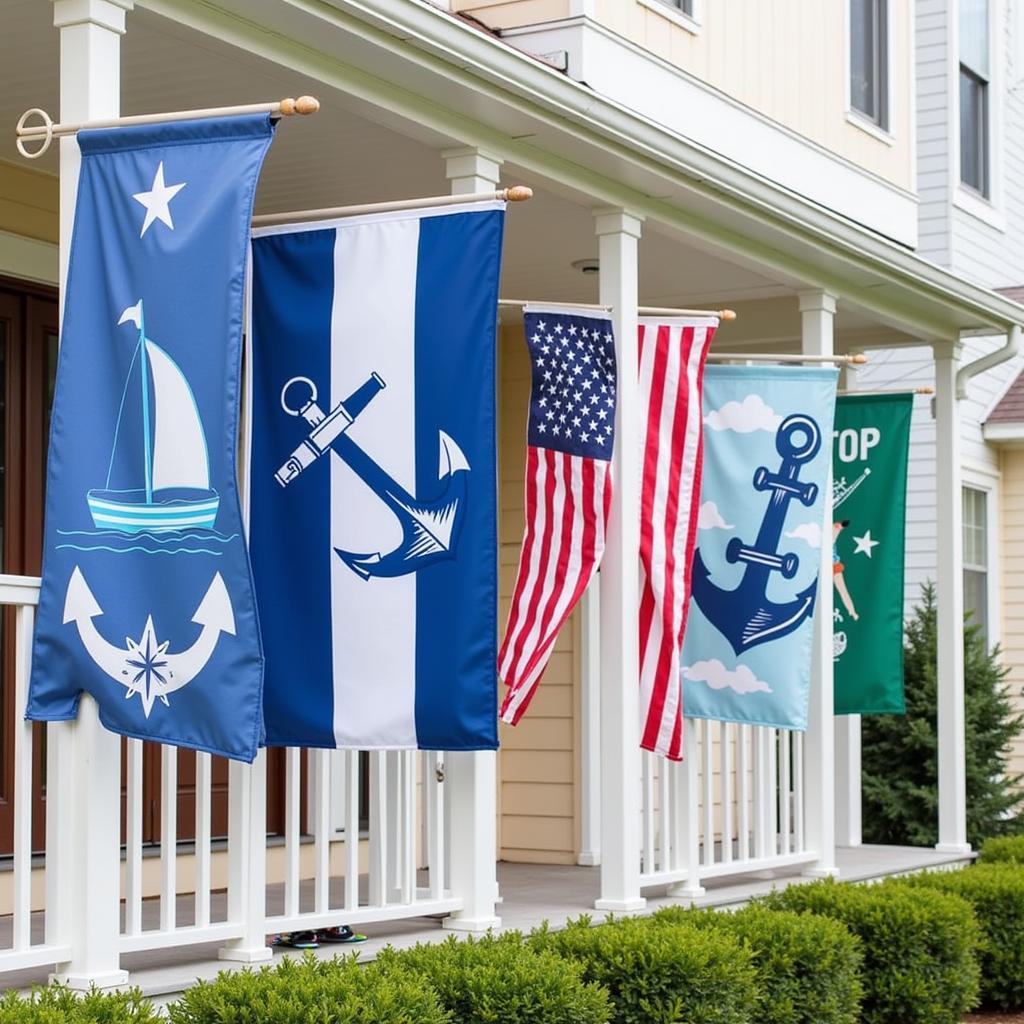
column 980, row 478
column 691, row 24
column 988, row 209
column 28, row 259
column 856, row 117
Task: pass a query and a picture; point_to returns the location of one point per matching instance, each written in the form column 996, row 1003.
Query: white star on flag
column 865, row 544
column 157, row 200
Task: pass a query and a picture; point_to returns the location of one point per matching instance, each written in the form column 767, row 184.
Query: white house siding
column 933, row 98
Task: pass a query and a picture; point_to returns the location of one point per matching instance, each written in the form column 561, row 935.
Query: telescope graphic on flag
column 430, row 529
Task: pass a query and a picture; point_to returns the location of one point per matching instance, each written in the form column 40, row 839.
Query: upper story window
column 975, row 532
column 975, row 76
column 685, row 6
column 869, row 60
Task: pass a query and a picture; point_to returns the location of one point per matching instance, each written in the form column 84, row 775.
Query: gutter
column 986, row 362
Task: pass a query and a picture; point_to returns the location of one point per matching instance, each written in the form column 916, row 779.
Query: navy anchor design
column 430, row 529
column 745, row 616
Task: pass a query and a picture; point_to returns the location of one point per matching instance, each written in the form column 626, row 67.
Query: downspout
column 986, row 362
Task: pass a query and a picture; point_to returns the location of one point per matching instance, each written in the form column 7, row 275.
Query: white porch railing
column 733, row 806
column 180, row 896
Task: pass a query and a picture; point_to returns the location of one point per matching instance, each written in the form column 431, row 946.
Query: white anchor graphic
column 145, row 667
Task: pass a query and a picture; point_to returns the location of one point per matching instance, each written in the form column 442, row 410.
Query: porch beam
column 85, row 848
column 472, row 776
column 951, row 754
column 817, row 315
column 618, row 234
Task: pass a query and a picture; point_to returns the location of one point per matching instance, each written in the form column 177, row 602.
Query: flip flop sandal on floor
column 340, row 934
column 298, row 940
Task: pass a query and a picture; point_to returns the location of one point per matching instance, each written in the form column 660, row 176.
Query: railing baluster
column 22, row 861
column 204, row 803
column 772, row 791
column 435, row 823
column 743, row 771
column 666, row 771
column 798, row 792
column 760, row 807
column 168, row 837
column 708, row 790
column 647, row 768
column 378, row 829
column 784, row 789
column 352, row 786
column 407, row 851
column 292, row 807
column 321, row 771
column 725, row 753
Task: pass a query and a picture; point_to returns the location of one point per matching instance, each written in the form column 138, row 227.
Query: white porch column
column 817, row 313
column 848, row 739
column 950, row 593
column 618, row 234
column 590, row 726
column 87, row 847
column 472, row 777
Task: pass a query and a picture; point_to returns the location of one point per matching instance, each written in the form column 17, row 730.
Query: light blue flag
column 372, row 468
column 147, row 601
column 767, row 451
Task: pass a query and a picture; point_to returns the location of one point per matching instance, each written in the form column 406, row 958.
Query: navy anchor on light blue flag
column 767, row 451
column 147, row 600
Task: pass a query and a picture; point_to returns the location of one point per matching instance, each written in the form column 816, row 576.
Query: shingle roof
column 1010, row 408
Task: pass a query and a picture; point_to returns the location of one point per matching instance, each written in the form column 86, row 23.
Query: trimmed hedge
column 1002, row 849
column 996, row 891
column 920, row 947
column 808, row 968
column 661, row 975
column 499, row 980
column 310, row 991
column 59, row 1004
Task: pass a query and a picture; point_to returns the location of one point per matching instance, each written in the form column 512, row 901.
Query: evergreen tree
column 900, row 789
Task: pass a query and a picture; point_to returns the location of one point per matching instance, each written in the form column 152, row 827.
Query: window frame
column 986, row 481
column 881, row 128
column 691, row 20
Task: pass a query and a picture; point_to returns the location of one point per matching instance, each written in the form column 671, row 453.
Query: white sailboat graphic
column 176, row 493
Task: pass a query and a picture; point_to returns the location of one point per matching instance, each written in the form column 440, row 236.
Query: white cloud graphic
column 809, row 533
column 710, row 518
column 718, row 677
column 744, row 417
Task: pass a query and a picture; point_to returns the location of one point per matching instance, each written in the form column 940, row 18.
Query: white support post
column 848, row 739
column 472, row 776
column 817, row 314
column 590, row 727
column 950, row 593
column 84, row 851
column 247, row 860
column 618, row 234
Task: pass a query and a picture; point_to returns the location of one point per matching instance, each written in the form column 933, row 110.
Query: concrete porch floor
column 531, row 893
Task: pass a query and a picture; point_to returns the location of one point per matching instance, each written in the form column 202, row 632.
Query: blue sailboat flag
column 767, row 453
column 147, row 601
column 373, row 523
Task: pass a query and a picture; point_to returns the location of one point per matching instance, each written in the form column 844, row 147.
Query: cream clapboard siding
column 785, row 61
column 538, row 763
column 28, row 202
column 1012, row 556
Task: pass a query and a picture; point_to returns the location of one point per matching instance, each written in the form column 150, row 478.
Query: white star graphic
column 865, row 544
column 157, row 200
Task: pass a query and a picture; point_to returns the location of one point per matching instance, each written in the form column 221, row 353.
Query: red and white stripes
column 567, row 503
column 672, row 355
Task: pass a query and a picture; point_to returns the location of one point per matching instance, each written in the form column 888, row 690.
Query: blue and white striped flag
column 373, row 523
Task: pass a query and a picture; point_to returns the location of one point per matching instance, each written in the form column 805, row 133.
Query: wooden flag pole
column 46, row 131
column 513, row 194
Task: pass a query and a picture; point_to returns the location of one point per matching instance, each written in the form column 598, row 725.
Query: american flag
column 672, row 355
column 568, row 488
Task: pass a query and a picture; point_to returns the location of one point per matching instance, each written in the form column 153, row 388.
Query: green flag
column 869, row 466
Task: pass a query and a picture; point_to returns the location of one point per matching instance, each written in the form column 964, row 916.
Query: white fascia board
column 616, row 68
column 28, row 259
column 435, row 72
column 1003, row 433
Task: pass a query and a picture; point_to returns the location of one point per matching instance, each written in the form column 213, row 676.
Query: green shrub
column 1002, row 849
column 499, row 980
column 920, row 947
column 309, row 991
column 661, row 975
column 59, row 1005
column 996, row 891
column 808, row 967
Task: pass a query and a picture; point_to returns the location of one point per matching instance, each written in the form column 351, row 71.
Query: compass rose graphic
column 149, row 657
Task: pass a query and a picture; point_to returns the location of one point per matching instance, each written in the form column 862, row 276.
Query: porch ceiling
column 353, row 151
